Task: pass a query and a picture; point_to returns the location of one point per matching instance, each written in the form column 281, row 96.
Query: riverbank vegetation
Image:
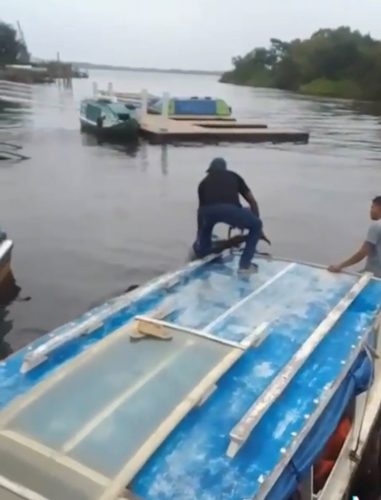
column 12, row 48
column 331, row 63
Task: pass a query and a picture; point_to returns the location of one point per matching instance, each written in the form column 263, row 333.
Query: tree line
column 12, row 49
column 332, row 62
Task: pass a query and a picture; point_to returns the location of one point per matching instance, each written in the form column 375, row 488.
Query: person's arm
column 357, row 257
column 366, row 249
column 200, row 192
column 249, row 197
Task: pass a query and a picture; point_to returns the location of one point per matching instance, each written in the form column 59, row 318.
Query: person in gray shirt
column 371, row 248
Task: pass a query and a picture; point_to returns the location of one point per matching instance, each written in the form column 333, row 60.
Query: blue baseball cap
column 217, row 165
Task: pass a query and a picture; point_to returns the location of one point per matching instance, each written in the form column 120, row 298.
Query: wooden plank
column 194, row 398
column 146, row 324
column 244, row 428
column 152, row 330
column 257, row 337
column 146, row 328
column 20, row 490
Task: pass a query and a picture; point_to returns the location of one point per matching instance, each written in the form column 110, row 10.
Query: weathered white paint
column 40, row 354
column 244, row 428
column 240, row 303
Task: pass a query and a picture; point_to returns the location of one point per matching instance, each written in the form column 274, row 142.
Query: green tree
column 338, row 62
column 12, row 50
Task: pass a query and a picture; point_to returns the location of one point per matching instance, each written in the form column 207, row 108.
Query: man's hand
column 335, row 269
column 363, row 252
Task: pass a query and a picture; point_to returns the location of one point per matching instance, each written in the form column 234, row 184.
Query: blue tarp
column 357, row 381
column 195, row 107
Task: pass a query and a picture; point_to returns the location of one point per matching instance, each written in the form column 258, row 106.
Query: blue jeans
column 234, row 216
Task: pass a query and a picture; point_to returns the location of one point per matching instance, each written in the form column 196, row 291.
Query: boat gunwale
column 359, row 435
column 60, row 370
column 165, row 281
column 327, row 396
column 115, row 305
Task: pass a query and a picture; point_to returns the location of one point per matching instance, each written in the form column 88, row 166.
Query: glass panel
column 104, row 409
column 43, row 475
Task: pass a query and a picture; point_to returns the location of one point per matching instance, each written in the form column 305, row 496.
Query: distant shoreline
column 89, row 66
column 340, row 63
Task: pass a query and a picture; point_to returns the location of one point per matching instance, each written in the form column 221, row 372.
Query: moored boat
column 109, row 119
column 201, row 384
column 206, row 108
column 179, row 108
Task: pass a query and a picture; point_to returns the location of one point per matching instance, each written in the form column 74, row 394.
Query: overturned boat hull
column 202, row 384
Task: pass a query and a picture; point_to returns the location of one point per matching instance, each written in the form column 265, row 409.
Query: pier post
column 165, row 111
column 144, row 103
column 95, row 89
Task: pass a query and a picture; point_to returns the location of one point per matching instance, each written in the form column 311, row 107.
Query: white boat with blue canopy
column 202, row 384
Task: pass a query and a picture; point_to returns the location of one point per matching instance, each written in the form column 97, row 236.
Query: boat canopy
column 118, row 108
column 194, row 106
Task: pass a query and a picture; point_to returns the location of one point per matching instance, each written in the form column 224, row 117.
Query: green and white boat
column 109, row 119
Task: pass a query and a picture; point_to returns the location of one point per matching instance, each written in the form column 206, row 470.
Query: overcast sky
column 202, row 34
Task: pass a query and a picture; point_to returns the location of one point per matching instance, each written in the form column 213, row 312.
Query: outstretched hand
column 334, row 269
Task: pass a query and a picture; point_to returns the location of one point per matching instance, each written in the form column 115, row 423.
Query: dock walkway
column 160, row 130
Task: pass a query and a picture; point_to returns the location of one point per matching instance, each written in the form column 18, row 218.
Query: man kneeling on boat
column 371, row 248
column 219, row 202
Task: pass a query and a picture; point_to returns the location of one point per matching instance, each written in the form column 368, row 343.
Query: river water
column 88, row 221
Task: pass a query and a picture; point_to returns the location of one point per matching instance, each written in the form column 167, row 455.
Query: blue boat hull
column 79, row 399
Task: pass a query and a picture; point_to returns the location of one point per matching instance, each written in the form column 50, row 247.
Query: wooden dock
column 167, row 128
column 161, row 130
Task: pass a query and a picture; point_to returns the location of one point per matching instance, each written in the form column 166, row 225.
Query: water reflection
column 130, row 148
column 164, row 159
column 11, row 152
column 89, row 216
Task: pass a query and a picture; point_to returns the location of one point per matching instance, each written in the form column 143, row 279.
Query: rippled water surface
column 89, row 220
